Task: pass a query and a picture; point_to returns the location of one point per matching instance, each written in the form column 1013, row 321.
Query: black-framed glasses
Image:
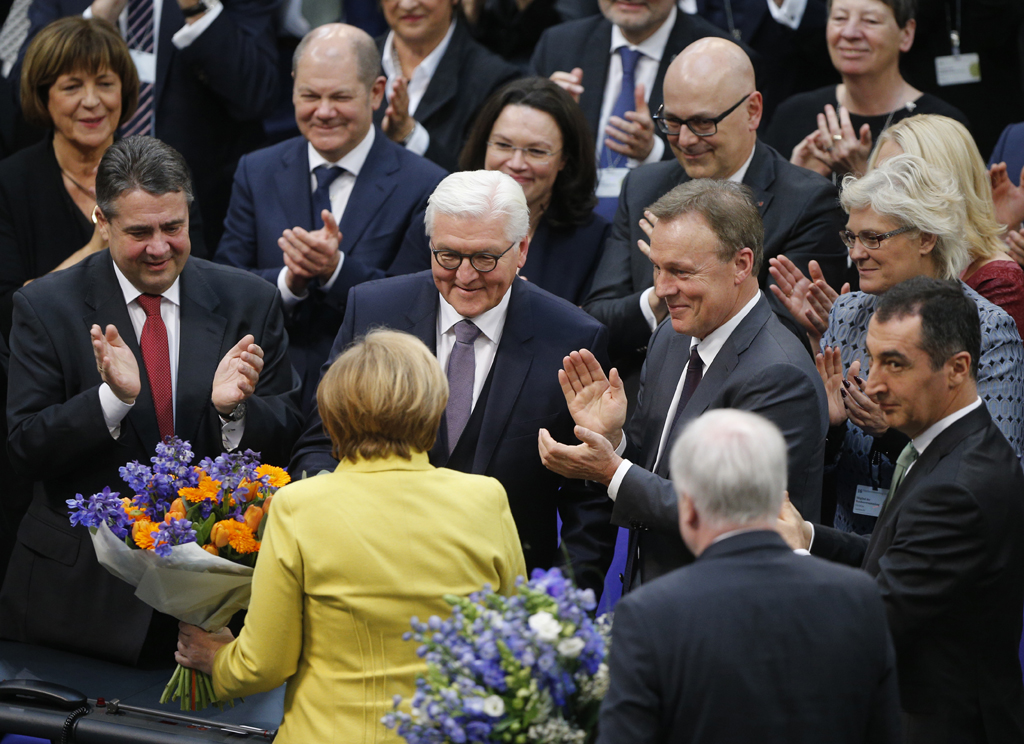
column 699, row 125
column 482, row 262
column 531, row 154
column 868, row 239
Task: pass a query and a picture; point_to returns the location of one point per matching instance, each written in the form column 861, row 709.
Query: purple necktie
column 461, row 374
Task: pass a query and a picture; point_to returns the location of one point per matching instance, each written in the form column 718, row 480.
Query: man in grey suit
column 724, row 348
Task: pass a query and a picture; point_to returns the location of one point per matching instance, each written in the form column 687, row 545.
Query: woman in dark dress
column 78, row 79
column 832, row 129
column 534, row 131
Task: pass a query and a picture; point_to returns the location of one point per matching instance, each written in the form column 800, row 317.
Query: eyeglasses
column 482, row 262
column 699, row 125
column 532, row 154
column 868, row 239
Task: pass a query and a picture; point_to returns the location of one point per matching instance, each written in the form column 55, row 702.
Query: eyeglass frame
column 879, row 237
column 661, row 121
column 463, row 256
column 511, row 151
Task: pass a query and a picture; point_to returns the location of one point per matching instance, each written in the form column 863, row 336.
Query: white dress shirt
column 419, row 140
column 491, row 324
column 708, row 348
column 790, row 14
column 339, row 192
column 114, row 409
column 645, row 296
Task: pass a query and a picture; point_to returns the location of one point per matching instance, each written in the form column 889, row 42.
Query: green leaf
column 203, row 530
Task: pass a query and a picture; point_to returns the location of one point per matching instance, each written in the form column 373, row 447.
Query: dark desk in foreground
column 138, row 688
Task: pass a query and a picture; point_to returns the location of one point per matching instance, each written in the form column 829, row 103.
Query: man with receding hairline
column 711, row 115
column 320, row 213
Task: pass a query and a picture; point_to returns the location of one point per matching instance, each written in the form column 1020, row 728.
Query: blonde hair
column 946, row 143
column 383, row 396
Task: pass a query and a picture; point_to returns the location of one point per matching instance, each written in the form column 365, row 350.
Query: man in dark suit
column 947, row 551
column 313, row 241
column 751, row 643
column 502, row 375
column 710, row 89
column 724, row 348
column 209, row 77
column 109, row 357
column 614, row 64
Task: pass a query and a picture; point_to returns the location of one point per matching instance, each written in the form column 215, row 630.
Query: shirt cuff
column 656, row 154
column 419, row 140
column 809, row 545
column 620, row 474
column 87, row 13
column 337, row 270
column 790, row 14
column 288, row 298
column 188, row 33
column 114, row 410
column 645, row 308
column 231, row 434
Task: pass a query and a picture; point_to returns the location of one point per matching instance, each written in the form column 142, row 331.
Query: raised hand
column 570, row 82
column 237, row 374
column 1015, row 246
column 594, row 460
column 860, row 408
column 310, row 255
column 807, row 155
column 116, row 363
column 841, row 148
column 1007, row 198
column 596, row 402
column 808, row 299
column 634, row 135
column 830, row 366
column 397, row 124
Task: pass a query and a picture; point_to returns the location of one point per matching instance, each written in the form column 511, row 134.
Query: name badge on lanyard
column 868, row 501
column 957, row 68
column 145, row 65
column 609, row 182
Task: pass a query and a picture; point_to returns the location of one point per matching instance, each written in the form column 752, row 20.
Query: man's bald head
column 704, row 81
column 340, row 40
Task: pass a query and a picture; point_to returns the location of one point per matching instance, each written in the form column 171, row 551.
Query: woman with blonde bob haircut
column 349, row 557
column 946, row 143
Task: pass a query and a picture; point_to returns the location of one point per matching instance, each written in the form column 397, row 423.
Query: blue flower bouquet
column 525, row 668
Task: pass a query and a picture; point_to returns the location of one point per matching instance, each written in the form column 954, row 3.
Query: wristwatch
column 197, row 9
column 236, row 414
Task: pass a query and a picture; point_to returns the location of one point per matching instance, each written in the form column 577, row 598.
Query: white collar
column 654, row 45
column 130, row 291
column 922, row 440
column 425, row 68
column 737, row 177
column 490, row 322
column 710, row 345
column 352, row 162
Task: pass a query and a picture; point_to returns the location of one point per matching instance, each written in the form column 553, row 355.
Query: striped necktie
column 140, row 38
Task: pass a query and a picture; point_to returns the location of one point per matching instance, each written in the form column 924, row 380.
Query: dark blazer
column 801, row 217
column 585, row 43
column 1010, row 150
column 761, row 368
column 55, row 592
column 211, row 96
column 466, row 76
column 752, row 643
column 948, row 556
column 561, row 260
column 272, row 193
column 524, row 396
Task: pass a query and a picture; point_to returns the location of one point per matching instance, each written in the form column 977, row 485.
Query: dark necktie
column 694, row 373
column 907, row 458
column 156, row 357
column 607, row 205
column 461, row 375
column 140, row 37
column 325, row 176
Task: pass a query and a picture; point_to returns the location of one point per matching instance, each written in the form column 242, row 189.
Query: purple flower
column 175, row 532
column 104, row 507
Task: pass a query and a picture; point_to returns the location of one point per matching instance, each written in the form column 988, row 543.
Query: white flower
column 570, row 647
column 494, row 706
column 545, row 626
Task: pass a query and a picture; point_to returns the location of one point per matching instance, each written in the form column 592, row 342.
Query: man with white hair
column 751, row 642
column 501, row 342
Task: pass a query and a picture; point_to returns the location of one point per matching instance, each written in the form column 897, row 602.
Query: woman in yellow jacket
column 348, row 557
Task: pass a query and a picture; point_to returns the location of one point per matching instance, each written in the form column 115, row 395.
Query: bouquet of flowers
column 525, row 668
column 187, row 540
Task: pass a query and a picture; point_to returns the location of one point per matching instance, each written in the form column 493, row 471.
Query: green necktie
column 907, row 458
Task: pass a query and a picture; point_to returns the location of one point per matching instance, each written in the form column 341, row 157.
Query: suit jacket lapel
column 511, row 365
column 760, row 176
column 676, row 356
column 373, row 186
column 421, row 317
column 444, row 85
column 200, row 340
column 293, row 186
column 595, row 63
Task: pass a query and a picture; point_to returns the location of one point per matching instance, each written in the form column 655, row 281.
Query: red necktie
column 158, row 363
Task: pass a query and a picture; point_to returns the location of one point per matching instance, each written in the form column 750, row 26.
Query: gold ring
column 837, row 137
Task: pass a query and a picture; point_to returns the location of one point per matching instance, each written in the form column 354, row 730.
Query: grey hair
column 913, row 193
column 481, row 194
column 140, row 162
column 368, row 67
column 732, row 464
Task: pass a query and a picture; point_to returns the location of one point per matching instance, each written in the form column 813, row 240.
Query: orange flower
column 253, row 517
column 236, row 534
column 278, row 476
column 207, row 489
column 211, row 549
column 133, row 512
column 252, row 488
column 142, row 533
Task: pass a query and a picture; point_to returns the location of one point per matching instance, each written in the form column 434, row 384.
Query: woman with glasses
column 534, row 131
column 907, row 218
column 831, row 130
